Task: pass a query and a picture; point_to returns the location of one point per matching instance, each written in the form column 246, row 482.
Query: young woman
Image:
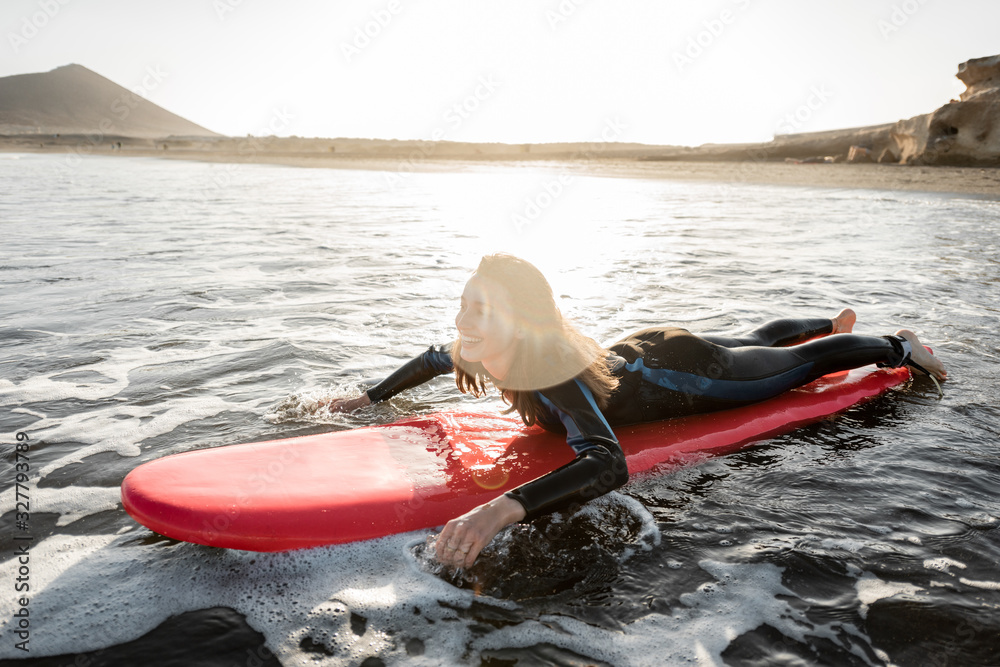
column 512, row 335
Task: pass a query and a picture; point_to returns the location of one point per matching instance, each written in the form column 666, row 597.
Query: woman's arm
column 435, row 361
column 598, row 468
column 590, row 475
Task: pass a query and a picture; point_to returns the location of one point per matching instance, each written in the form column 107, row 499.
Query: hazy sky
column 516, row 70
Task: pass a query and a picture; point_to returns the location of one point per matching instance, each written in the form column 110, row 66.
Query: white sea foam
column 113, row 371
column 982, row 520
column 742, row 597
column 121, row 428
column 871, row 589
column 310, row 405
column 92, row 592
column 648, row 536
column 26, row 411
column 44, row 388
column 844, row 544
column 39, row 388
column 943, row 564
column 70, row 503
column 989, row 585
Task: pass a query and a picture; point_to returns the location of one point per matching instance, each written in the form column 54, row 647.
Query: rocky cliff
column 965, row 131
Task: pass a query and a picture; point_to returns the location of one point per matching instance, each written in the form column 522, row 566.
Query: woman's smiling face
column 487, row 328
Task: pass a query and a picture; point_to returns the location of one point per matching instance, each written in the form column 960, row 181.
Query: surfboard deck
column 418, row 473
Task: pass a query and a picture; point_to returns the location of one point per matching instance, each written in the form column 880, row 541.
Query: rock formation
column 964, row 131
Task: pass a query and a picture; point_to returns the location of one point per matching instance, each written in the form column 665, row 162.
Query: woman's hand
column 348, row 404
column 463, row 538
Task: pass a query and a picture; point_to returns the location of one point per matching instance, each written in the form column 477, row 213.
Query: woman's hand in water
column 463, row 538
column 348, row 404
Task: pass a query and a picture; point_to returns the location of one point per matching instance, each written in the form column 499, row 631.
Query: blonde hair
column 550, row 352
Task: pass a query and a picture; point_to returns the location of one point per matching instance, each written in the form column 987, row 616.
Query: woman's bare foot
column 844, row 321
column 920, row 355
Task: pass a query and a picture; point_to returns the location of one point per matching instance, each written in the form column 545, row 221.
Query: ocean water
column 149, row 307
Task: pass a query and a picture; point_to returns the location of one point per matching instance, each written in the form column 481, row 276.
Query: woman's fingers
column 343, row 404
column 460, row 546
column 348, row 404
column 467, row 554
column 449, row 542
column 462, row 539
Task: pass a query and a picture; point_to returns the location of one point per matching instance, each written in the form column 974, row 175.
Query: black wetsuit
column 664, row 373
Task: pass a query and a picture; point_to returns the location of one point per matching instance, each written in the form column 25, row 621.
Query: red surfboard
column 421, row 472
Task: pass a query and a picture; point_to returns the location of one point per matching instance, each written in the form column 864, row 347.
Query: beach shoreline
column 972, row 181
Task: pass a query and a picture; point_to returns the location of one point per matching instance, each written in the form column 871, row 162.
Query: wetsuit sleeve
column 599, row 466
column 435, row 361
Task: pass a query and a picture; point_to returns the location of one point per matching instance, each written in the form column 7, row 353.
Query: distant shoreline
column 953, row 149
column 610, row 160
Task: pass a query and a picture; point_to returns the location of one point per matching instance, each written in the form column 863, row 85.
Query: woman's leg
column 686, row 374
column 778, row 333
column 762, row 372
column 781, row 333
column 811, row 360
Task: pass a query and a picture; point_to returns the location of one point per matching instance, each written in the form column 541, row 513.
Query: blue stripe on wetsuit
column 730, row 390
column 581, row 435
column 599, row 466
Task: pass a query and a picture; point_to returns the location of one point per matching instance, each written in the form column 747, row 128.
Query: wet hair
column 551, row 350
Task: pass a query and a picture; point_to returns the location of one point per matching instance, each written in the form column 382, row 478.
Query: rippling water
column 152, row 307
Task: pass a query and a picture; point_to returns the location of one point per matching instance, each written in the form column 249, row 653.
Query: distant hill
column 74, row 100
